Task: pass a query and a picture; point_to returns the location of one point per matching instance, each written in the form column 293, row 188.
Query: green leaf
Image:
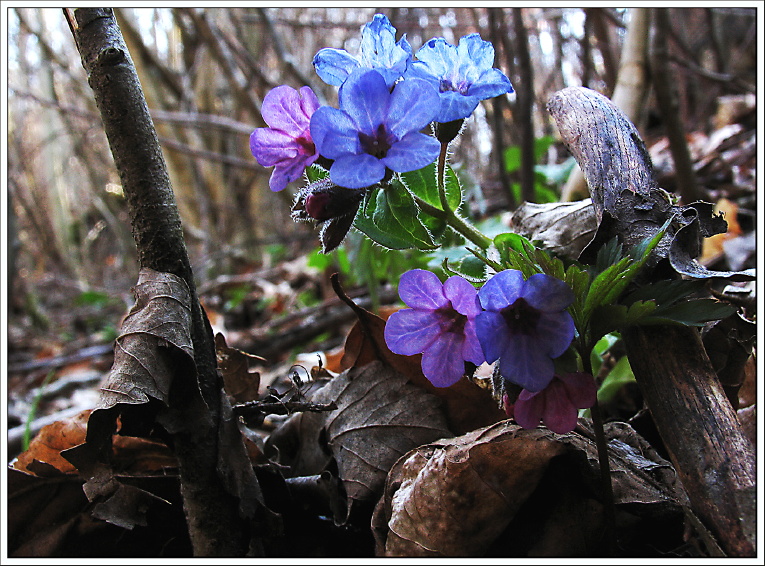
column 610, row 318
column 391, row 235
column 457, row 260
column 315, row 173
column 424, row 184
column 406, row 212
column 619, row 376
column 694, row 312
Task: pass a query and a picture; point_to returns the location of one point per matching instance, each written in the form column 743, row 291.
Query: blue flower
column 463, row 74
column 375, row 129
column 379, row 51
column 525, row 326
column 440, row 324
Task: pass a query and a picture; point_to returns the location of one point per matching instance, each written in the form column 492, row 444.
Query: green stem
column 605, row 468
column 445, row 213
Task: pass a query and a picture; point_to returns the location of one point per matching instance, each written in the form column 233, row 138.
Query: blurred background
column 687, row 78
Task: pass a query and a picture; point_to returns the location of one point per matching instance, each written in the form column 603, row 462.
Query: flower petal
column 501, row 290
column 411, row 331
column 489, row 84
column 442, row 361
column 414, row 104
column 356, row 171
column 438, row 56
column 463, row 295
column 525, row 363
column 492, row 333
column 334, row 65
column 334, row 133
column 271, row 146
column 412, row 152
column 559, row 414
column 364, row 97
column 581, row 389
column 471, row 349
column 422, row 289
column 555, row 331
column 475, row 51
column 528, row 412
column 289, row 171
column 282, row 109
column 546, row 293
column 455, row 106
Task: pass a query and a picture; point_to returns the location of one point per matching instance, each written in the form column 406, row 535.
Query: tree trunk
column 212, row 511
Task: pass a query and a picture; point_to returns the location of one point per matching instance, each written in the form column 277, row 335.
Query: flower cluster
column 385, row 99
column 521, row 323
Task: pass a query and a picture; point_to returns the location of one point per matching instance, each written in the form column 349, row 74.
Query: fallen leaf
column 379, row 417
column 458, row 496
column 46, row 447
column 563, row 228
column 240, row 383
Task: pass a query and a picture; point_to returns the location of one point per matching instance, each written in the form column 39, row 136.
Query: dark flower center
column 521, row 317
column 446, row 85
column 452, row 321
column 377, row 144
column 306, row 144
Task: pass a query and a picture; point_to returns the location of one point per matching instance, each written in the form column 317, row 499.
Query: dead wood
column 714, row 459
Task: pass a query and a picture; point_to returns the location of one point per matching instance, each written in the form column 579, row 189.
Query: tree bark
column 212, row 511
column 525, row 105
column 700, row 429
column 630, row 89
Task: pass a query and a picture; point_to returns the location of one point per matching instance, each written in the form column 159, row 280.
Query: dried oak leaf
column 240, row 383
column 43, row 457
column 455, row 497
column 379, row 417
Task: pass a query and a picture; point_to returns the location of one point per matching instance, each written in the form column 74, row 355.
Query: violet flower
column 379, row 51
column 557, row 405
column 440, row 324
column 286, row 144
column 462, row 74
column 525, row 325
column 376, row 129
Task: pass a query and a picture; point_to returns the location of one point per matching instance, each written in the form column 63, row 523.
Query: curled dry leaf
column 379, row 417
column 240, row 383
column 563, row 228
column 155, row 331
column 455, row 497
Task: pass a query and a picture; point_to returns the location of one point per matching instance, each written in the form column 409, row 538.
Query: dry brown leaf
column 563, row 228
column 379, row 417
column 155, row 331
column 457, row 496
column 240, row 383
column 46, row 447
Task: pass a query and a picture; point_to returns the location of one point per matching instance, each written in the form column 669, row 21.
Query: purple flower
column 440, row 324
column 463, row 74
column 286, row 144
column 379, row 51
column 557, row 405
column 376, row 129
column 525, row 325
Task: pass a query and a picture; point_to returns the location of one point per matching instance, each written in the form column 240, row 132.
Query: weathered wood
column 700, row 429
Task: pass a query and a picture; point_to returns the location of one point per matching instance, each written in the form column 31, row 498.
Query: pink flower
column 557, row 405
column 287, row 144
